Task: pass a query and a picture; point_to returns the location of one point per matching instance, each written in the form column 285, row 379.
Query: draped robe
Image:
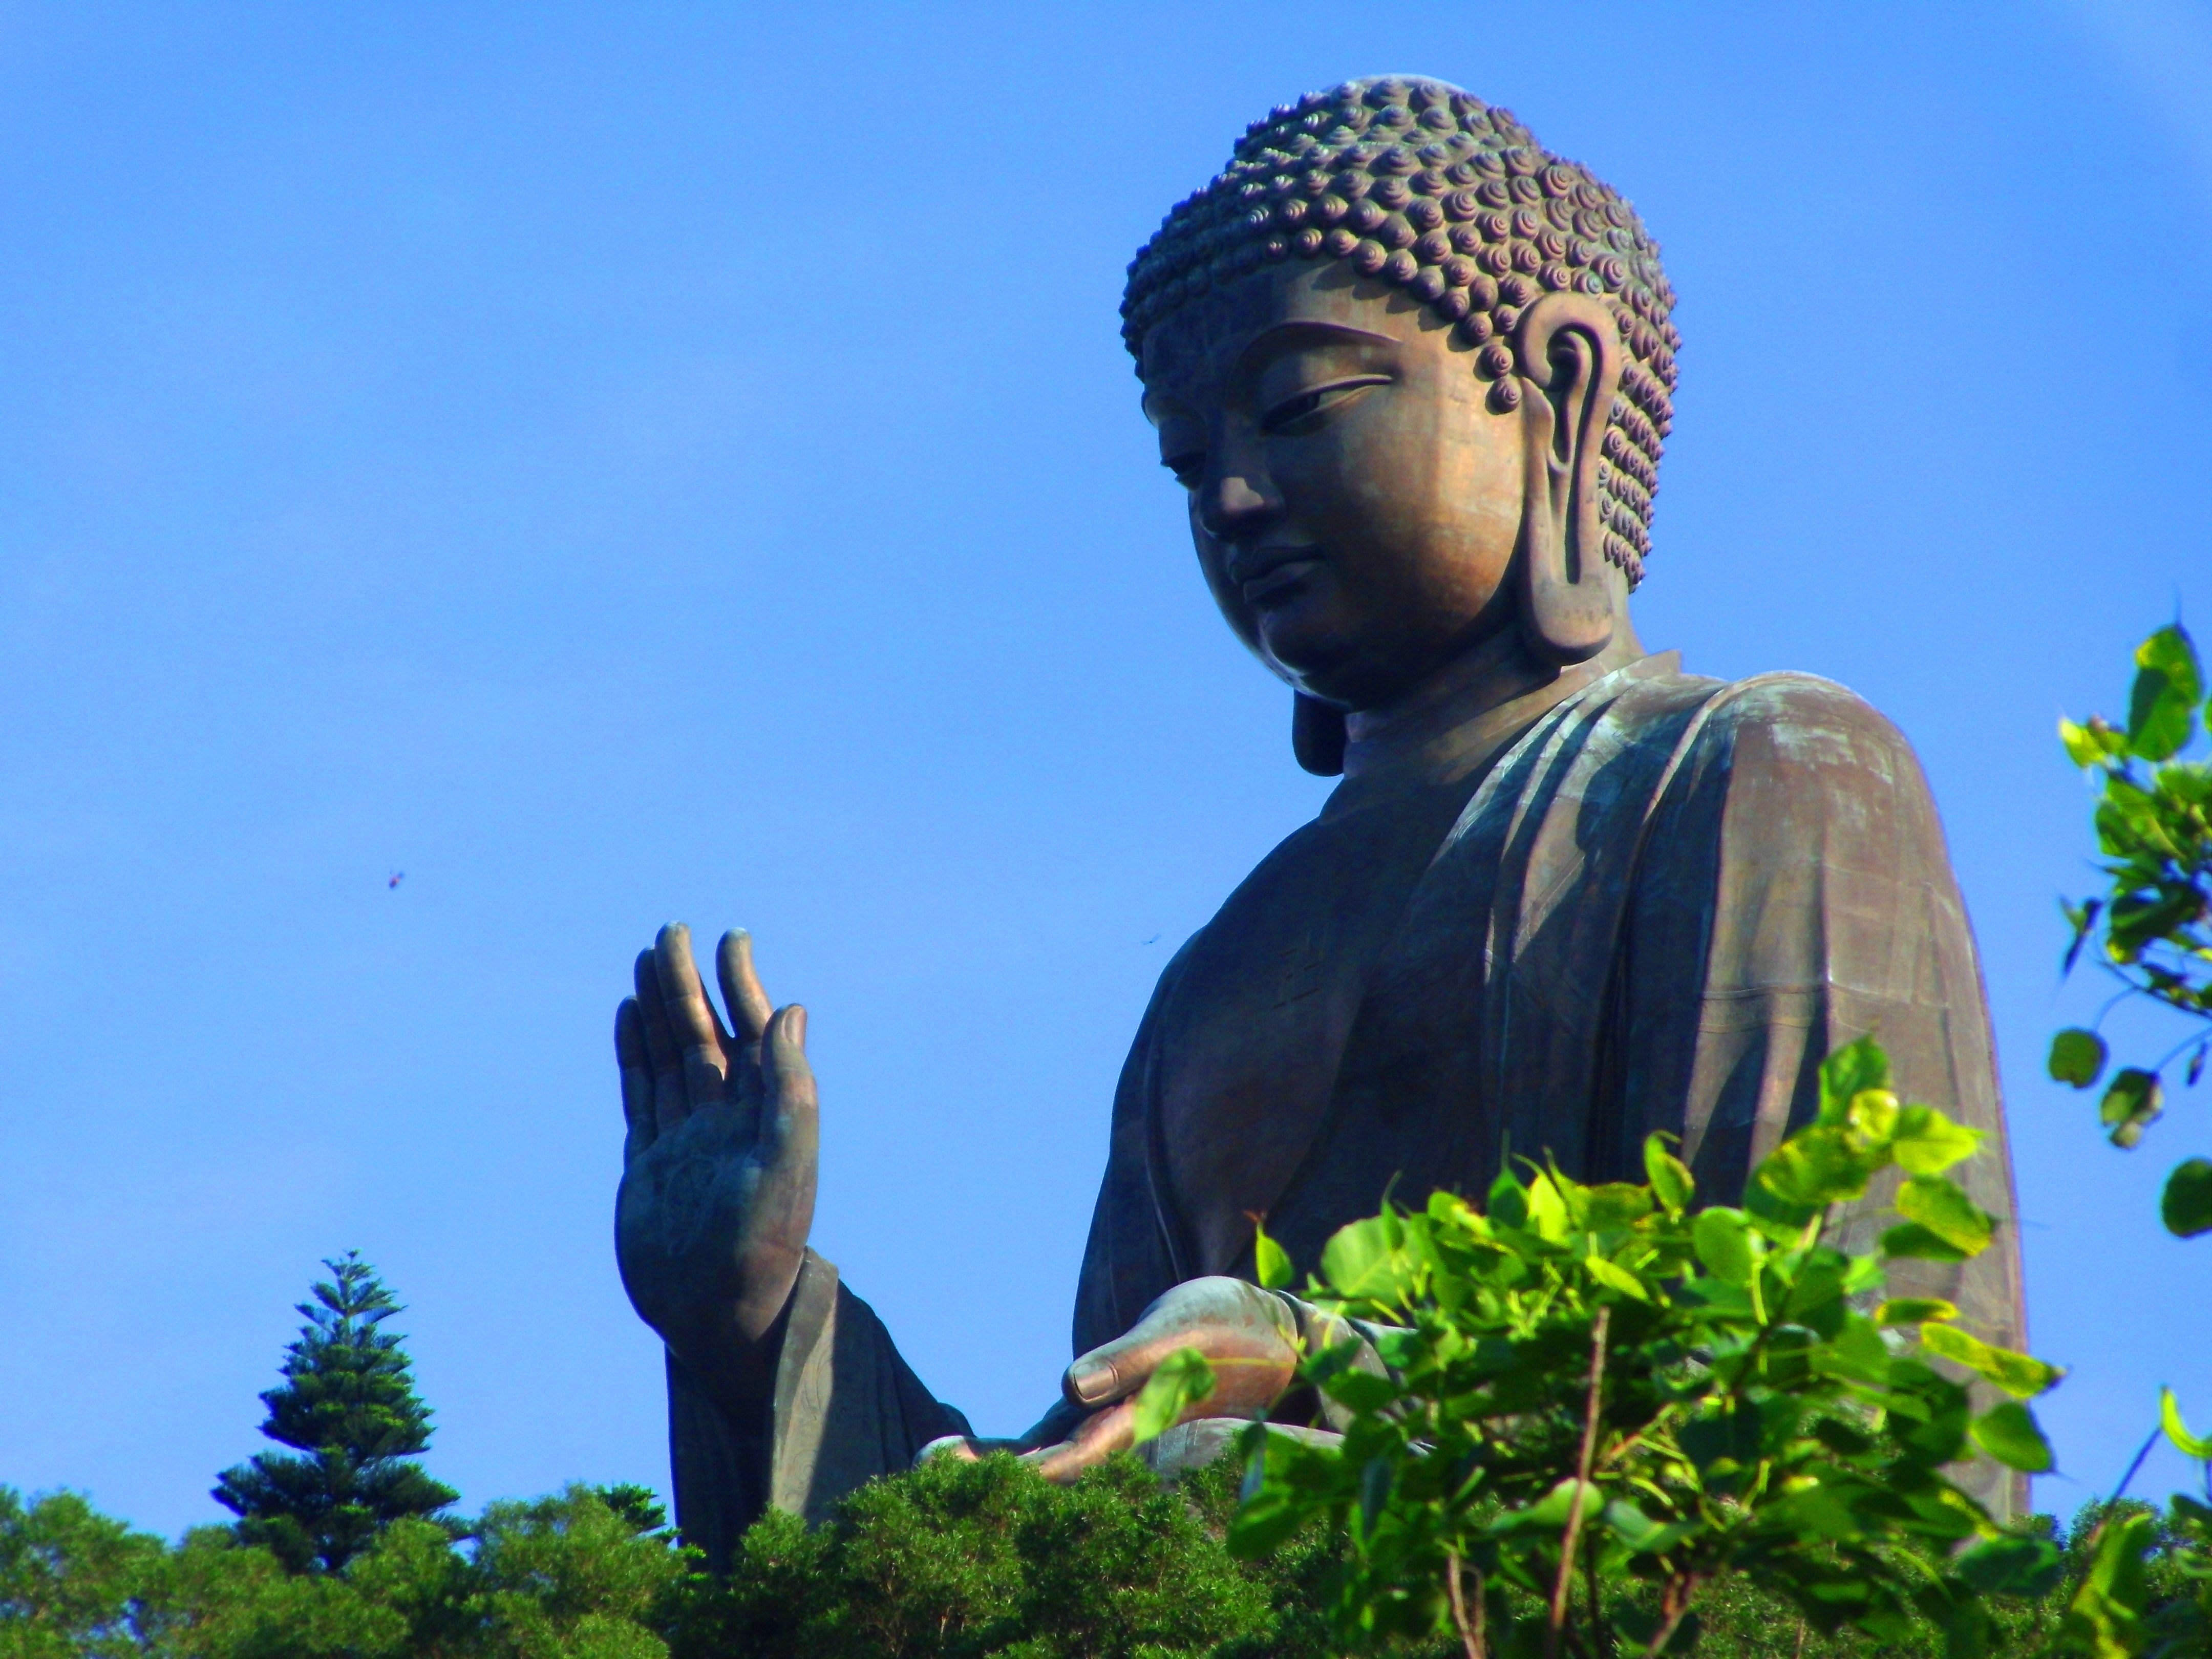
column 1654, row 904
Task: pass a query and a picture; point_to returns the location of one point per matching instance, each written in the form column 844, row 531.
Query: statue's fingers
column 750, row 1008
column 671, row 1101
column 1245, row 1331
column 631, row 1055
column 791, row 1111
column 1096, row 1439
column 692, row 1022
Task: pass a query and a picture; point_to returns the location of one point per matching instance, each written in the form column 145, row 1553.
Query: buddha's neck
column 1461, row 715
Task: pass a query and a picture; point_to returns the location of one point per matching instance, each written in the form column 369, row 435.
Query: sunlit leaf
column 1912, row 1310
column 2019, row 1375
column 1365, row 1260
column 1926, row 1142
column 1614, row 1277
column 1270, row 1260
column 2169, row 1418
column 2187, row 1204
column 1942, row 1207
column 2106, row 1615
column 1727, row 1246
column 2007, row 1433
column 1182, row 1380
column 1847, row 1071
column 2081, row 745
column 1818, row 1166
column 2162, row 703
column 2076, row 1057
column 1547, row 1209
column 1669, row 1177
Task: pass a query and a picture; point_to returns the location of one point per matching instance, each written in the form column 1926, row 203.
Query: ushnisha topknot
column 1417, row 184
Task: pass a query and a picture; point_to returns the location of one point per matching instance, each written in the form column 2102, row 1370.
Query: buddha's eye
column 1188, row 466
column 1298, row 413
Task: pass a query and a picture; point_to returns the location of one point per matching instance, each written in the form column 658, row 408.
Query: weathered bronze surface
column 1415, row 373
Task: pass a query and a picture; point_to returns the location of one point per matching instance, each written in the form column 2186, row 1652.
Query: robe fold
column 1656, row 907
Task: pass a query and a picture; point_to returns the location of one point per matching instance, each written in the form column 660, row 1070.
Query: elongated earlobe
column 1569, row 352
column 1317, row 735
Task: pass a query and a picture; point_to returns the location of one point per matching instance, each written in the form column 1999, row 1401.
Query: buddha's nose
column 1231, row 506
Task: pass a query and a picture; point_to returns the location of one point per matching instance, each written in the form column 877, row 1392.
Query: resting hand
column 1248, row 1335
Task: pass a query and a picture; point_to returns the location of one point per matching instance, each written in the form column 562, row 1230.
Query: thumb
column 1228, row 1320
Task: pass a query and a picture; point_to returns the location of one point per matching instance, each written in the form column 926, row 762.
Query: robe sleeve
column 1133, row 1254
column 1795, row 894
column 847, row 1408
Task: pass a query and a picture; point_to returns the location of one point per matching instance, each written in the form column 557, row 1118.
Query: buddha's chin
column 1316, row 659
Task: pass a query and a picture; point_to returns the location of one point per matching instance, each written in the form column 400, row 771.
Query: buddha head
column 1413, row 371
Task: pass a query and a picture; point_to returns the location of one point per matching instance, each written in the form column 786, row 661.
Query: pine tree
column 348, row 1404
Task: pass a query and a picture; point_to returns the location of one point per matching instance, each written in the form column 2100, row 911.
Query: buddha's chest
column 1249, row 1050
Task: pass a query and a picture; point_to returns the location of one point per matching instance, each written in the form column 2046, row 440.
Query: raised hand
column 1248, row 1335
column 717, row 1194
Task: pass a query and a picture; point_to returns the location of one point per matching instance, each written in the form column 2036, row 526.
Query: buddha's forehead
column 1189, row 355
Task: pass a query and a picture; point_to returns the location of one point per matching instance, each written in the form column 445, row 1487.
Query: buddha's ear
column 1317, row 735
column 1569, row 352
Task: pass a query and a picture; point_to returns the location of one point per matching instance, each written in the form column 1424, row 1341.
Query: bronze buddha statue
column 1414, row 373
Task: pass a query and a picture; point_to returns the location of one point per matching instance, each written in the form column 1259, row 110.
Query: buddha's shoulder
column 1788, row 719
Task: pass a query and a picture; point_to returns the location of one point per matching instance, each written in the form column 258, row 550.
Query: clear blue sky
column 623, row 463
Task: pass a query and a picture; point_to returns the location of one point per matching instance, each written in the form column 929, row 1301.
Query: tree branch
column 1566, row 1578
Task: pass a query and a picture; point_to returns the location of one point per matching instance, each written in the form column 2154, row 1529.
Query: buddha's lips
column 1270, row 573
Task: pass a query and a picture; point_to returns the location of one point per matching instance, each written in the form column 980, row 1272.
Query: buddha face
column 1354, row 501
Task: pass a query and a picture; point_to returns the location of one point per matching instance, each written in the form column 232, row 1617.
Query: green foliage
column 2152, row 924
column 72, row 1582
column 565, row 1578
column 961, row 1558
column 1183, row 1379
column 1599, row 1404
column 348, row 1404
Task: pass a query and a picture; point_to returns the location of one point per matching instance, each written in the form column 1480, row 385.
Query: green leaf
column 1614, row 1206
column 1915, row 1241
column 1913, row 1309
column 1182, row 1380
column 1614, row 1277
column 2076, row 1057
column 1726, row 1244
column 2081, row 745
column 1270, row 1260
column 1364, row 1391
column 2007, row 1433
column 1670, row 1178
column 1549, row 1512
column 2162, row 703
column 1363, row 1260
column 2013, row 1566
column 1926, row 1142
column 1942, row 1207
column 1848, row 1070
column 1508, row 1204
column 2106, row 1616
column 2186, row 1207
column 1547, row 1209
column 2169, row 1417
column 2019, row 1375
column 1818, row 1166
column 2131, row 1104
